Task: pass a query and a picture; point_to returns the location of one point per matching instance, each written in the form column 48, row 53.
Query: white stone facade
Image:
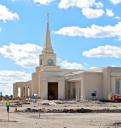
column 49, row 81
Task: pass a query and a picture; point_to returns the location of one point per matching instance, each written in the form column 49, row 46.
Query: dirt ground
column 61, row 120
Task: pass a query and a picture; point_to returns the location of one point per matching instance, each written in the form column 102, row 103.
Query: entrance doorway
column 52, row 91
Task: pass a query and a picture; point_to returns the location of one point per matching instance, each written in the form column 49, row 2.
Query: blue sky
column 85, row 34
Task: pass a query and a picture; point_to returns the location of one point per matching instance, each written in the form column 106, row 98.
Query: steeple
column 48, row 45
column 47, row 57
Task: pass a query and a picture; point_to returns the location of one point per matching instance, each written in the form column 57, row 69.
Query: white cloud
column 44, row 2
column 117, row 17
column 25, row 55
column 90, row 8
column 99, row 4
column 6, row 14
column 7, row 78
column 92, row 13
column 109, row 12
column 76, row 3
column 69, row 65
column 104, row 51
column 91, row 68
column 116, row 1
column 94, row 31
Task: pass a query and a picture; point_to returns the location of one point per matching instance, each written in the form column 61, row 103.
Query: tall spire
column 47, row 45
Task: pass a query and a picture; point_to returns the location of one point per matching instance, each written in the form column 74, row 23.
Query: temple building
column 49, row 81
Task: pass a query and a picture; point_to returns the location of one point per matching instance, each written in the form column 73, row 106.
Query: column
column 61, row 89
column 77, row 84
column 21, row 92
column 44, row 89
column 26, row 91
column 66, row 89
column 113, row 85
column 82, row 90
column 29, row 93
column 15, row 90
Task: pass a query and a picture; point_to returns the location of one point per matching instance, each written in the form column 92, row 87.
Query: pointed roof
column 48, row 45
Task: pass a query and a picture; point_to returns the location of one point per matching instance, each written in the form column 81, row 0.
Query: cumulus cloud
column 25, row 55
column 90, row 8
column 76, row 3
column 7, row 78
column 92, row 13
column 6, row 14
column 104, row 51
column 44, row 2
column 94, row 31
column 109, row 12
column 69, row 65
column 116, row 1
column 98, row 4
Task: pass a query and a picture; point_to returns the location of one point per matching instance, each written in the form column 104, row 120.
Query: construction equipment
column 116, row 98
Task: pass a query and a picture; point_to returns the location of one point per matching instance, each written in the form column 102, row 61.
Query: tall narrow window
column 117, row 87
